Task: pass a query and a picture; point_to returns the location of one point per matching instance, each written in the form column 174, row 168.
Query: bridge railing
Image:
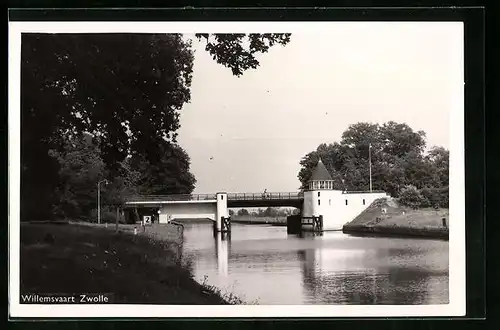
column 363, row 192
column 265, row 196
column 176, row 197
column 230, row 196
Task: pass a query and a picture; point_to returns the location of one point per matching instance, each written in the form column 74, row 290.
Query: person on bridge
column 264, row 195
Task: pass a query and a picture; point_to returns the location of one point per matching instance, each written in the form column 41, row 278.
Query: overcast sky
column 247, row 134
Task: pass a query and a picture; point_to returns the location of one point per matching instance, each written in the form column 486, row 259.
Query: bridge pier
column 222, row 213
column 225, row 226
column 314, row 224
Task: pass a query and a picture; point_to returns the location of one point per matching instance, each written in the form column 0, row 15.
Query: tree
column 125, row 89
column 282, row 212
column 231, row 213
column 241, row 58
column 243, row 212
column 81, row 167
column 439, row 157
column 169, row 174
column 270, row 212
column 332, row 156
column 396, row 153
column 411, row 196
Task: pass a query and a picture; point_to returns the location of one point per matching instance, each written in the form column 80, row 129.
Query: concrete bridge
column 211, row 206
column 321, row 205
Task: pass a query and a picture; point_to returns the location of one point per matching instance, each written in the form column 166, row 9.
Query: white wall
column 221, row 209
column 188, row 211
column 332, row 206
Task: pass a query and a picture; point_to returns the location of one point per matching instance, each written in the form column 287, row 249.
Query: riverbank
column 399, row 221
column 133, row 269
column 250, row 220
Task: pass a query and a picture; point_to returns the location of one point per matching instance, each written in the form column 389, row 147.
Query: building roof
column 320, row 173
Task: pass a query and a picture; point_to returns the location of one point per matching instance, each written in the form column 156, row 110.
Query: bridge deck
column 275, row 199
column 232, row 198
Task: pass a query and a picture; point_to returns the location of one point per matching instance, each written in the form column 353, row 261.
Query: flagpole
column 370, row 161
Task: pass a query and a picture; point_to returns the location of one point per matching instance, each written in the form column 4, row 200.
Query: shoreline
column 385, row 217
column 146, row 268
column 396, row 232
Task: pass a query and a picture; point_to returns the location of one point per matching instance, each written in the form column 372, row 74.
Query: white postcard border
column 456, row 307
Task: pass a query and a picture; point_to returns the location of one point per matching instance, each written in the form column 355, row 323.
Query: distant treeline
column 268, row 212
column 399, row 162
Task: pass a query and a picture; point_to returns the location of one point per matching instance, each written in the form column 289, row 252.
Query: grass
column 400, row 220
column 229, row 297
column 133, row 269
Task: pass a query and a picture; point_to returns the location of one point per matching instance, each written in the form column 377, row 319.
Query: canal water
column 262, row 264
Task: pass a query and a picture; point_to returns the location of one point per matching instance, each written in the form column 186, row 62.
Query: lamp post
column 99, row 199
column 370, row 161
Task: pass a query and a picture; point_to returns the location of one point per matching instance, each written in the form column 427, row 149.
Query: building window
column 346, row 202
column 330, row 202
column 363, row 202
column 222, row 197
column 319, row 202
column 319, row 193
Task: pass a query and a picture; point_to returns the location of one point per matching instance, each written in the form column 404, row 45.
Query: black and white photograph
column 236, row 169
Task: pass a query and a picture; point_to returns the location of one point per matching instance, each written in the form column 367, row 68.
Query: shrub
column 430, row 199
column 107, row 216
column 435, row 197
column 410, row 196
column 444, row 196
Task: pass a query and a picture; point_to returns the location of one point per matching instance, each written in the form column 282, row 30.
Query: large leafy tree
column 124, row 89
column 169, row 175
column 81, row 167
column 397, row 154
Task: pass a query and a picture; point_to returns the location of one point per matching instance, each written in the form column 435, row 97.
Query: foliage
column 168, row 175
column 243, row 212
column 435, row 197
column 241, row 58
column 397, row 158
column 267, row 212
column 81, row 167
column 125, row 89
column 271, row 212
column 411, row 196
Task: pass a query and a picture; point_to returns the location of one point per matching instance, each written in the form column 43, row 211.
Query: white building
column 336, row 206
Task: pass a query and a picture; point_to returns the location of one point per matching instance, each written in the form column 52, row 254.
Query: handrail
column 230, row 196
column 363, row 192
column 265, row 196
column 173, row 197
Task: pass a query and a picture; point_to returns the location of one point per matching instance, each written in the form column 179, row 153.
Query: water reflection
column 264, row 263
column 222, row 252
column 405, row 275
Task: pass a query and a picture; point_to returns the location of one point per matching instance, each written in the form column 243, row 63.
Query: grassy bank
column 247, row 219
column 142, row 269
column 399, row 221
